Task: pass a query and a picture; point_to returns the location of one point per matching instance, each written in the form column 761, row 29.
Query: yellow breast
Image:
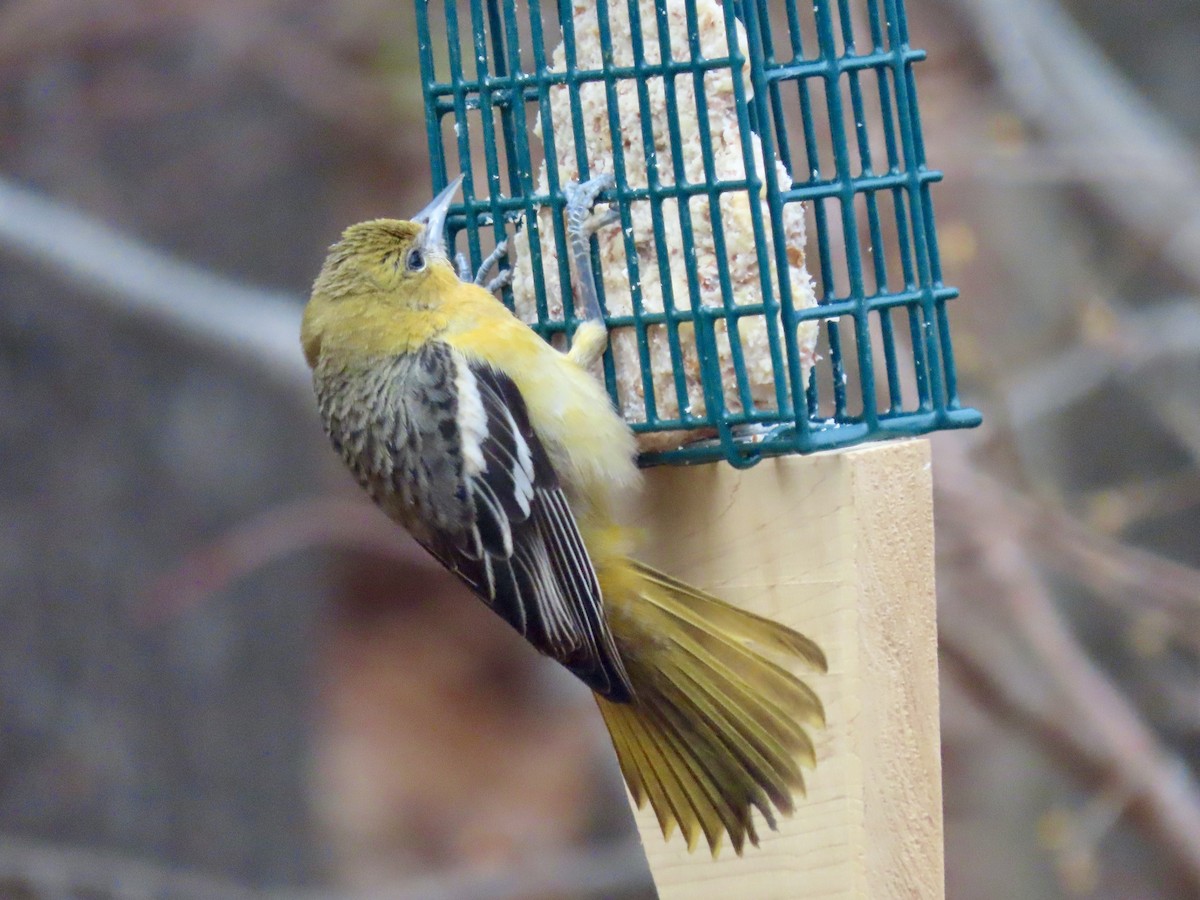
column 590, row 446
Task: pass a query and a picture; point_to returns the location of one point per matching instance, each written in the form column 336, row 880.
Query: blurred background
column 222, row 674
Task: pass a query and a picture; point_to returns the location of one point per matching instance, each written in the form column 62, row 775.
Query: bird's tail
column 718, row 724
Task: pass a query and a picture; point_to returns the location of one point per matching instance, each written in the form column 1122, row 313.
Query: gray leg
column 581, row 225
column 462, row 266
column 591, row 337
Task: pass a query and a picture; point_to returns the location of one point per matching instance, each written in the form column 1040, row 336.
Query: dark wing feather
column 515, row 541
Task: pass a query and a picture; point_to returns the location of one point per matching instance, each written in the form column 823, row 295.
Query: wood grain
column 840, row 547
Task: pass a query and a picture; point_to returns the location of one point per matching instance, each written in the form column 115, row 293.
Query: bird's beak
column 433, row 217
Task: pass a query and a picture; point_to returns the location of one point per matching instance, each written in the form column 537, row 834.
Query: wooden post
column 839, row 546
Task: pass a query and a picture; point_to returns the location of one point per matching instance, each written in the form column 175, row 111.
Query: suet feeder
column 752, row 142
column 827, row 93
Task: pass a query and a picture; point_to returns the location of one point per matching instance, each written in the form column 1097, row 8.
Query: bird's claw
column 489, row 264
column 581, row 198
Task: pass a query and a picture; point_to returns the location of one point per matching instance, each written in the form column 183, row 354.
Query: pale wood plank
column 839, row 546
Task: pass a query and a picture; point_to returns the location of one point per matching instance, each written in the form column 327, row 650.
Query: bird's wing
column 499, row 520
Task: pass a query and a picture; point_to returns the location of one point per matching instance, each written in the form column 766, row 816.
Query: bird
column 506, row 460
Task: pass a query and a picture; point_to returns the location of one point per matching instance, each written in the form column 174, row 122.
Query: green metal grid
column 485, row 77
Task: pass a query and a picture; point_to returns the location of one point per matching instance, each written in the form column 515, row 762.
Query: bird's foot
column 489, row 265
column 462, row 266
column 582, row 220
column 592, row 336
column 503, row 280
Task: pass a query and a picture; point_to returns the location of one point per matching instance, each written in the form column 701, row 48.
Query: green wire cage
column 823, row 91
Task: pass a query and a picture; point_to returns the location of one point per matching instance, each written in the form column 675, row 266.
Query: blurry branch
column 1143, row 581
column 1050, row 165
column 1173, row 397
column 1136, row 352
column 1083, row 719
column 132, row 279
column 36, row 870
column 271, row 535
column 1137, row 500
column 1062, row 83
column 1136, row 341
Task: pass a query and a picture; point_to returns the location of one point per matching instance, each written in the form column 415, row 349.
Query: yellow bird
column 505, row 459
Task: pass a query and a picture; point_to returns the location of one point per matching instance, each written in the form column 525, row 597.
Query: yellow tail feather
column 715, row 727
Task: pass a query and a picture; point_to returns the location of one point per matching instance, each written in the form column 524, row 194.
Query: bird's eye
column 416, row 260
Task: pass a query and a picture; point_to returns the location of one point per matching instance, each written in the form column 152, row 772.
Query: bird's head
column 379, row 268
